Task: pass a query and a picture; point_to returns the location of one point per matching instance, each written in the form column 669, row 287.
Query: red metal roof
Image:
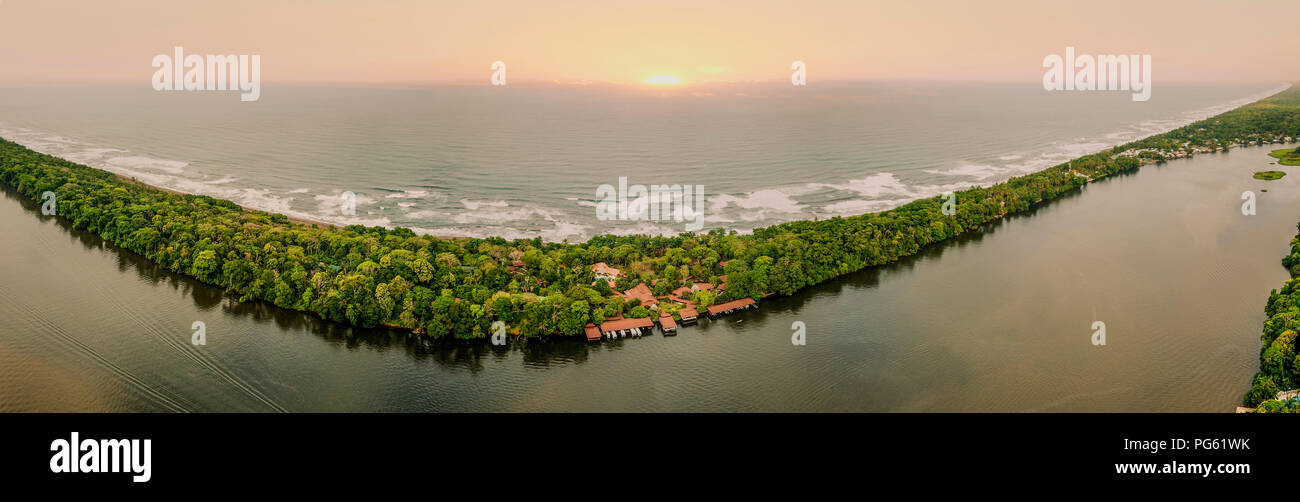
column 603, row 269
column 592, row 332
column 622, row 324
column 731, row 305
column 642, row 292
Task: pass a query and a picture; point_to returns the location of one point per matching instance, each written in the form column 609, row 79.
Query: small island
column 1269, row 175
column 1287, row 156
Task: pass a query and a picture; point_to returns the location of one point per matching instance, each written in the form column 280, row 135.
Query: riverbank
column 370, row 276
column 1274, row 387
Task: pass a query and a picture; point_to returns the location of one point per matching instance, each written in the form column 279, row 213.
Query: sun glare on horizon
column 663, row 80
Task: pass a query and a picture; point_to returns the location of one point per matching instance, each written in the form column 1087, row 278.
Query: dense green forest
column 1279, row 364
column 369, row 276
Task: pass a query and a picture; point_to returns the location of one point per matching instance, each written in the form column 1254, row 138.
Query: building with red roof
column 731, row 306
column 666, row 322
column 625, row 327
column 643, row 293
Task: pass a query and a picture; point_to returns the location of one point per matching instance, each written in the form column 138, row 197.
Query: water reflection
column 470, row 354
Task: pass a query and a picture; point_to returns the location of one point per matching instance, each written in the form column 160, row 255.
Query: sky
column 628, row 42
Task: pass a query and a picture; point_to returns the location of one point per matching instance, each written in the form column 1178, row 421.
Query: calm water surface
column 999, row 321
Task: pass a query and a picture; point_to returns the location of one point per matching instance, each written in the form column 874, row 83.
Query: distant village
column 667, row 311
column 1148, row 155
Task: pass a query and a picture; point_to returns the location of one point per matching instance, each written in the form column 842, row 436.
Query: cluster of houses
column 621, row 327
column 1188, row 150
column 1286, row 395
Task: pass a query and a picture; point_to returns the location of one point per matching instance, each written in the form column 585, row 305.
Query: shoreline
column 294, row 219
column 442, row 287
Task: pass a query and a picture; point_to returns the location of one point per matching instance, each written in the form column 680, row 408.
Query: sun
column 663, row 80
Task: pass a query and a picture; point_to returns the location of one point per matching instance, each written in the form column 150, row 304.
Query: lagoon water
column 996, row 321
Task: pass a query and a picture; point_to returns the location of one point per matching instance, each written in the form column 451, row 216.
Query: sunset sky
column 415, row 42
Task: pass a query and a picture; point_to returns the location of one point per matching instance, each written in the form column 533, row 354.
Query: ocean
column 525, row 161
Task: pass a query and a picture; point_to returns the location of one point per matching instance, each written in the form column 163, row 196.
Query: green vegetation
column 1269, row 175
column 1279, row 366
column 369, row 276
column 1287, row 156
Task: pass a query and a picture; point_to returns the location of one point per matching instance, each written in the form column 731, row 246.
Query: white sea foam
column 872, row 186
column 978, row 171
column 329, row 205
column 859, row 206
column 503, row 214
column 767, row 200
column 90, row 154
column 408, row 194
column 149, row 163
column 475, row 205
column 263, row 199
column 480, row 217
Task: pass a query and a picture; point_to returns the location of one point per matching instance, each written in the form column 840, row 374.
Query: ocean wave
column 475, row 205
column 977, row 171
column 482, row 215
column 148, row 163
column 763, row 200
column 409, row 194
